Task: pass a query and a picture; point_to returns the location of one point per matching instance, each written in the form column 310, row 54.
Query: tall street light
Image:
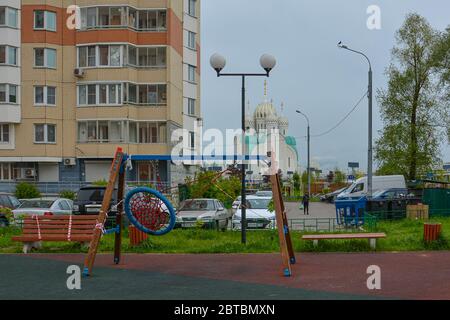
column 267, row 62
column 369, row 151
column 309, row 158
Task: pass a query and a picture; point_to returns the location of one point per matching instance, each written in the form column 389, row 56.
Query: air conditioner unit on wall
column 29, row 173
column 69, row 161
column 78, row 72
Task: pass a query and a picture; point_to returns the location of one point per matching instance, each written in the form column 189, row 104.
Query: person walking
column 305, row 202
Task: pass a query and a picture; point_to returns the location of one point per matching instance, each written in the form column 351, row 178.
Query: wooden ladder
column 114, row 172
column 287, row 251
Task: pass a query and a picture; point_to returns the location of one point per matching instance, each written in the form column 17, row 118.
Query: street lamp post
column 309, row 157
column 369, row 94
column 267, row 62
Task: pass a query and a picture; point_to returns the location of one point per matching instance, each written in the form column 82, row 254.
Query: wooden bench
column 56, row 228
column 371, row 236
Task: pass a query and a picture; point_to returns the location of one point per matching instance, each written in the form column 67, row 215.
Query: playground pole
column 119, row 216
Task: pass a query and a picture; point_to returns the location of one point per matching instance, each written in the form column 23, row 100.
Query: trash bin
column 350, row 211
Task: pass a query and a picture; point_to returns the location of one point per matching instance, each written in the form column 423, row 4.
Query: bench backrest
column 59, row 225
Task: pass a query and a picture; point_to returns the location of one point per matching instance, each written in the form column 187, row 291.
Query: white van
column 359, row 187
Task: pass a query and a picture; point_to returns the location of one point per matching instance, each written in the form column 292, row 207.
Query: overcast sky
column 311, row 71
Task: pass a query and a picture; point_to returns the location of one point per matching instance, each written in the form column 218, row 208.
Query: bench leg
column 27, row 246
column 373, row 243
column 315, row 243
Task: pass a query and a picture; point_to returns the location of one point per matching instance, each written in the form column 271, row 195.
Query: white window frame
column 119, row 94
column 7, row 55
column 191, row 43
column 45, row 58
column 191, row 106
column 2, row 129
column 191, row 72
column 46, row 15
column 97, row 56
column 45, row 96
column 9, row 165
column 46, row 125
column 123, row 131
column 7, row 12
column 192, row 8
column 7, row 92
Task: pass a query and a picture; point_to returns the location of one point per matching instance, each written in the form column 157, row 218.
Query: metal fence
column 54, row 188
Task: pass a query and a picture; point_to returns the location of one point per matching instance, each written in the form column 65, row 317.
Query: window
column 103, row 54
column 8, row 93
column 191, row 40
column 108, row 56
column 8, row 17
column 191, row 106
column 148, row 132
column 152, row 19
column 44, row 133
column 86, row 56
column 147, row 94
column 359, row 187
column 191, row 73
column 8, row 55
column 100, row 94
column 191, row 7
column 2, row 16
column 101, row 131
column 147, row 56
column 44, row 95
column 45, row 57
column 12, row 56
column 44, row 20
column 191, row 139
column 3, row 54
column 4, row 133
column 6, row 171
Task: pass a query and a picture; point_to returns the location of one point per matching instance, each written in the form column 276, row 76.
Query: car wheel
column 225, row 227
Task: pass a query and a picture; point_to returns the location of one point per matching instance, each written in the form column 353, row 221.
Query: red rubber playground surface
column 409, row 275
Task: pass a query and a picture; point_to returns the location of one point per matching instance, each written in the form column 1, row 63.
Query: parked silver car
column 44, row 206
column 207, row 212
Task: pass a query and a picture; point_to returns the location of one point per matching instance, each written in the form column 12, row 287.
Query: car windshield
column 36, row 204
column 197, row 205
column 93, row 195
column 378, row 193
column 258, row 203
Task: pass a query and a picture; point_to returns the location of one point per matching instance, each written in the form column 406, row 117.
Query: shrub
column 25, row 190
column 102, row 183
column 68, row 194
column 7, row 212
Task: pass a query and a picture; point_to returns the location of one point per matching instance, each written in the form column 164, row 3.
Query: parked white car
column 257, row 212
column 44, row 207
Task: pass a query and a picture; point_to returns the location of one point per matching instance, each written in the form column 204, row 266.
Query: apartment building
column 78, row 82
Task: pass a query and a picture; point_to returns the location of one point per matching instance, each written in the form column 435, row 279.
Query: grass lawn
column 402, row 235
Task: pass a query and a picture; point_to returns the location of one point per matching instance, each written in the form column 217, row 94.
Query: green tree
column 410, row 106
column 339, row 176
column 25, row 190
column 225, row 189
column 442, row 58
column 296, row 181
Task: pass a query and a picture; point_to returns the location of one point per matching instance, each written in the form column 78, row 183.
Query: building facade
column 78, row 82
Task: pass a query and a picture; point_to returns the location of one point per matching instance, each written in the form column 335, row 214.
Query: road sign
column 351, row 177
column 353, row 164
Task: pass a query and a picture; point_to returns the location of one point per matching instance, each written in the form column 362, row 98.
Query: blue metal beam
column 194, row 158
